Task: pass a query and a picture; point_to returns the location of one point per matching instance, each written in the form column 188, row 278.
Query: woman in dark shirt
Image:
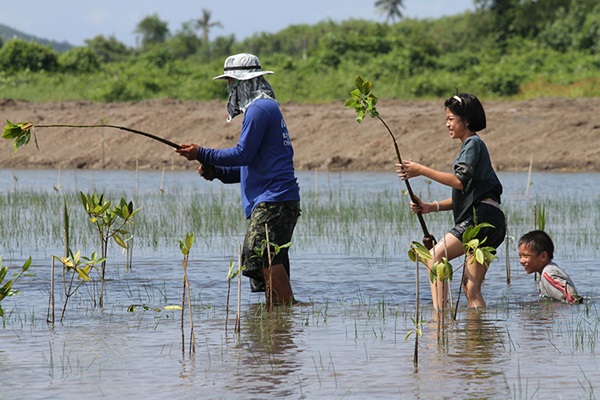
column 475, row 189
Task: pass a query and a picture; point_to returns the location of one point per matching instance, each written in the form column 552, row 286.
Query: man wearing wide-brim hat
column 262, row 162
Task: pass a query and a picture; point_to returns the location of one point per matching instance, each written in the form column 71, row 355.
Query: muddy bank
column 554, row 134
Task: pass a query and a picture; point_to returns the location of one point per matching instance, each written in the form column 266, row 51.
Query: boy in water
column 536, row 251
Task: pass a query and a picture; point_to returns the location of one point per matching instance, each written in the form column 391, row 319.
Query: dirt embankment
column 554, row 134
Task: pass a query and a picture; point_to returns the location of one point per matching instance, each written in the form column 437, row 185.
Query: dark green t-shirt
column 473, row 168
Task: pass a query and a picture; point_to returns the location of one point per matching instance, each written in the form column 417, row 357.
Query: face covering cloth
column 243, row 93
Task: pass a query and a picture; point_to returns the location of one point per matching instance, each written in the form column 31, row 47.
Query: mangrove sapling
column 363, row 102
column 417, row 253
column 21, row 132
column 231, row 275
column 269, row 249
column 75, row 265
column 185, row 246
column 475, row 251
column 109, row 223
column 238, row 316
column 441, row 274
column 6, row 289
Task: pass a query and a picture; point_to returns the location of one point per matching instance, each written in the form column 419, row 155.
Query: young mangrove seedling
column 270, row 250
column 363, row 102
column 238, row 316
column 21, row 132
column 110, row 223
column 475, row 251
column 231, row 275
column 6, row 289
column 185, row 246
column 417, row 253
column 76, row 266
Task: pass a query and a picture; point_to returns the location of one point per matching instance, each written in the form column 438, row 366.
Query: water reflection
column 269, row 354
column 469, row 353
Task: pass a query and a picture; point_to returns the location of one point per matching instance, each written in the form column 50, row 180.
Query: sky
column 74, row 21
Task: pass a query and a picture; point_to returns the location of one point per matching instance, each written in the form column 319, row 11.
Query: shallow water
column 347, row 338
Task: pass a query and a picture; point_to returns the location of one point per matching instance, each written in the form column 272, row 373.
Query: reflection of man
column 269, row 340
column 262, row 162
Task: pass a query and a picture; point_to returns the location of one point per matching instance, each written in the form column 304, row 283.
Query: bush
column 79, row 60
column 18, row 55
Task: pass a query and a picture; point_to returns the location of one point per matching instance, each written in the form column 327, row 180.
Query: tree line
column 504, row 48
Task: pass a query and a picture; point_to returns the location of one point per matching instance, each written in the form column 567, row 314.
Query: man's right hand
column 189, row 151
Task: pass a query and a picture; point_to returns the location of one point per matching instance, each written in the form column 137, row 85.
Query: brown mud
column 553, row 134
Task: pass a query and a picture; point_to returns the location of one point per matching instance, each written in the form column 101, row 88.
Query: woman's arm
column 412, row 169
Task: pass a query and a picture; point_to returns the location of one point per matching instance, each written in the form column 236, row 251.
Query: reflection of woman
column 475, row 197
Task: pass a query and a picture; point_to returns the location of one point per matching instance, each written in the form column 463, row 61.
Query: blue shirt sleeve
column 228, row 174
column 244, row 152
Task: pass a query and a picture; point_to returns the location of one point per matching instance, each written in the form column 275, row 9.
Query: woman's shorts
column 485, row 213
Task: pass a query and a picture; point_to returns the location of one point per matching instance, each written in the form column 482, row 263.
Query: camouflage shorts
column 281, row 218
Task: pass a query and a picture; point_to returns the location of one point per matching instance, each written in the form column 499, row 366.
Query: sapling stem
column 428, row 239
column 123, row 128
column 21, row 132
column 363, row 102
column 270, row 286
column 239, row 294
column 51, row 313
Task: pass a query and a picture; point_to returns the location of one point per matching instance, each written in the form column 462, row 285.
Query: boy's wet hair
column 538, row 241
column 468, row 108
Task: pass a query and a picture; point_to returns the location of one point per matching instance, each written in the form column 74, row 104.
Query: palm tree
column 390, row 8
column 205, row 24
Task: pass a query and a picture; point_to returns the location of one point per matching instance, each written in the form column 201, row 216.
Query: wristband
column 437, row 205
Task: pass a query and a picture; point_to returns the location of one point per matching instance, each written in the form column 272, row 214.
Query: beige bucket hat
column 242, row 67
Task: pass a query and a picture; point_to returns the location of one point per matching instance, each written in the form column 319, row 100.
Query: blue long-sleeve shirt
column 263, row 159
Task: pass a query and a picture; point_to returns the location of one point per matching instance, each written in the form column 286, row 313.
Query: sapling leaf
column 433, row 273
column 83, row 273
column 233, row 273
column 5, row 290
column 124, row 212
column 350, row 103
column 444, row 270
column 119, row 240
column 186, row 245
column 20, row 132
column 417, row 250
column 189, row 240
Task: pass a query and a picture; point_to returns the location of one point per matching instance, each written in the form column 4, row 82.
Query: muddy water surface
column 347, row 337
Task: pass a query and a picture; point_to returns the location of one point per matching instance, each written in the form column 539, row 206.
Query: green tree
column 185, row 42
column 108, row 49
column 575, row 28
column 18, row 55
column 391, row 9
column 205, row 24
column 152, row 30
column 526, row 18
column 79, row 60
